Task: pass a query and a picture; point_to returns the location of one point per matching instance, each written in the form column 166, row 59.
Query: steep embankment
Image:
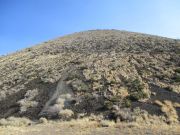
column 105, row 72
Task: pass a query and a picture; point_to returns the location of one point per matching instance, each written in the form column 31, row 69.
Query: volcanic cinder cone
column 101, row 72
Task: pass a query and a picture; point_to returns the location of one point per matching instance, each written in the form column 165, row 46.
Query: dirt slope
column 101, row 72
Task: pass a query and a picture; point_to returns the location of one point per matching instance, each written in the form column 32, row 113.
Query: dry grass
column 169, row 109
column 88, row 127
column 13, row 121
column 66, row 114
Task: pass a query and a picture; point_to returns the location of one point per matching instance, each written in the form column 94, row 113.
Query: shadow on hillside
column 9, row 106
column 161, row 95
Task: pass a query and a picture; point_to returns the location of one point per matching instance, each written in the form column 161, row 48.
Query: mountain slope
column 102, row 72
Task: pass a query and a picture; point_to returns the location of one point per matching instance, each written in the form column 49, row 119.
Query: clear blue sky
column 24, row 23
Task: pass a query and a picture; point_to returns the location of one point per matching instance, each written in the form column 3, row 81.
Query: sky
column 24, row 23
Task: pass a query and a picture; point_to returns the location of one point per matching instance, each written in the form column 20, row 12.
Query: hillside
column 115, row 74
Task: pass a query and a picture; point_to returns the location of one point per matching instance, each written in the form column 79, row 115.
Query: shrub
column 136, row 90
column 123, row 114
column 43, row 120
column 79, row 85
column 177, row 70
column 140, row 115
column 25, row 104
column 126, row 102
column 108, row 104
column 107, row 123
column 28, row 102
column 66, row 114
column 176, row 78
column 168, row 108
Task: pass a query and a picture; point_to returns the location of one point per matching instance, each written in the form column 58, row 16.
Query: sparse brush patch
column 175, row 88
column 25, row 104
column 176, row 104
column 13, row 121
column 108, row 104
column 28, row 49
column 123, row 114
column 177, row 70
column 106, row 123
column 94, row 117
column 115, row 98
column 126, row 102
column 167, row 107
column 160, row 76
column 79, row 85
column 177, row 51
column 136, row 90
column 140, row 115
column 169, row 88
column 43, row 120
column 66, row 114
column 2, row 95
column 28, row 102
column 176, row 77
column 158, row 50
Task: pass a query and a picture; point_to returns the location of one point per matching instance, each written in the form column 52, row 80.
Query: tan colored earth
column 85, row 127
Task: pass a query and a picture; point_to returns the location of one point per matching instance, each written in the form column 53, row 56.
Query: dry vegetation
column 90, row 126
column 118, row 75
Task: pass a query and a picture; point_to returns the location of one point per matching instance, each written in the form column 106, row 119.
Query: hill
column 117, row 75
